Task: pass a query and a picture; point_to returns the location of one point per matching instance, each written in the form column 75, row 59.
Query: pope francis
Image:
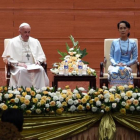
column 25, row 53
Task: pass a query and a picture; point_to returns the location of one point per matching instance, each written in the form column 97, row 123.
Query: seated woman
column 123, row 54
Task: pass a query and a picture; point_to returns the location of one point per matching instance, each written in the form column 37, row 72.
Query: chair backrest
column 107, row 46
column 6, row 41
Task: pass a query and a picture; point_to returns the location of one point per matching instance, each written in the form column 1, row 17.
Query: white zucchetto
column 24, row 24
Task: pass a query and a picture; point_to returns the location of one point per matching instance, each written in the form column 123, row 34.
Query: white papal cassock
column 18, row 50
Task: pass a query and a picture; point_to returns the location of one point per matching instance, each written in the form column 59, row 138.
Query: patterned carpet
column 60, row 84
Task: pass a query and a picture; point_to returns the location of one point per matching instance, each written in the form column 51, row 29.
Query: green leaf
column 74, row 43
column 85, row 62
column 67, row 46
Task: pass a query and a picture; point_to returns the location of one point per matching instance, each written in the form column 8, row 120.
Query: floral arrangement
column 74, row 55
column 125, row 99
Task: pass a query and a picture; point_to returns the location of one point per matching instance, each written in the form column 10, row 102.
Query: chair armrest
column 138, row 69
column 101, row 69
column 8, row 65
column 44, row 65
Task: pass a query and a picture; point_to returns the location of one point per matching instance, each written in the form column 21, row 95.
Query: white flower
column 70, row 101
column 0, row 98
column 43, row 88
column 91, row 91
column 138, row 94
column 107, row 95
column 138, row 108
column 58, row 103
column 38, row 111
column 139, row 98
column 38, row 96
column 132, row 108
column 72, row 108
column 92, row 70
column 87, row 104
column 94, row 109
column 71, row 49
column 102, row 111
column 126, row 86
column 114, row 105
column 81, row 89
column 98, row 103
column 125, row 97
column 64, row 91
column 67, row 57
column 74, row 96
column 74, row 72
column 23, row 106
column 75, row 102
column 16, row 100
column 61, row 99
column 10, row 91
column 57, row 93
column 37, row 90
column 16, row 92
column 38, row 104
column 75, row 91
column 6, row 96
column 28, row 97
column 1, row 94
column 122, row 94
column 132, row 99
column 33, row 106
column 1, row 105
column 104, row 87
column 134, row 95
column 55, row 98
column 106, row 100
column 84, row 94
column 123, row 103
column 59, row 89
column 112, row 90
column 117, row 100
column 51, row 88
column 113, row 87
column 78, row 55
column 47, row 105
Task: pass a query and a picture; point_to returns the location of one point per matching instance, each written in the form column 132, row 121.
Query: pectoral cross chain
column 27, row 56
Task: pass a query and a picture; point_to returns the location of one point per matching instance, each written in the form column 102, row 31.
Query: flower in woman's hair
column 123, row 110
column 38, row 111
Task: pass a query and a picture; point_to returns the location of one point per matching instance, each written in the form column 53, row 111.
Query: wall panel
column 52, row 22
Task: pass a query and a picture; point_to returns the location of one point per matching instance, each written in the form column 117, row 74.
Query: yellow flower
column 64, row 103
column 45, row 92
column 123, row 110
column 87, row 97
column 103, row 106
column 135, row 102
column 111, row 98
column 4, row 107
column 24, row 94
column 67, row 87
column 73, row 58
column 80, row 107
column 35, row 100
column 121, row 88
column 22, row 99
column 117, row 96
column 63, row 95
column 100, row 90
column 26, row 102
column 42, row 102
column 28, row 111
column 19, row 89
column 96, row 99
column 18, row 96
column 107, row 108
column 44, row 98
column 129, row 102
column 127, row 106
column 84, row 100
column 78, row 95
column 15, row 106
column 131, row 86
column 10, row 95
column 59, row 111
column 91, row 101
column 28, row 89
column 32, row 93
column 12, row 100
column 128, row 93
column 136, row 90
column 5, row 88
column 52, row 103
column 1, row 89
